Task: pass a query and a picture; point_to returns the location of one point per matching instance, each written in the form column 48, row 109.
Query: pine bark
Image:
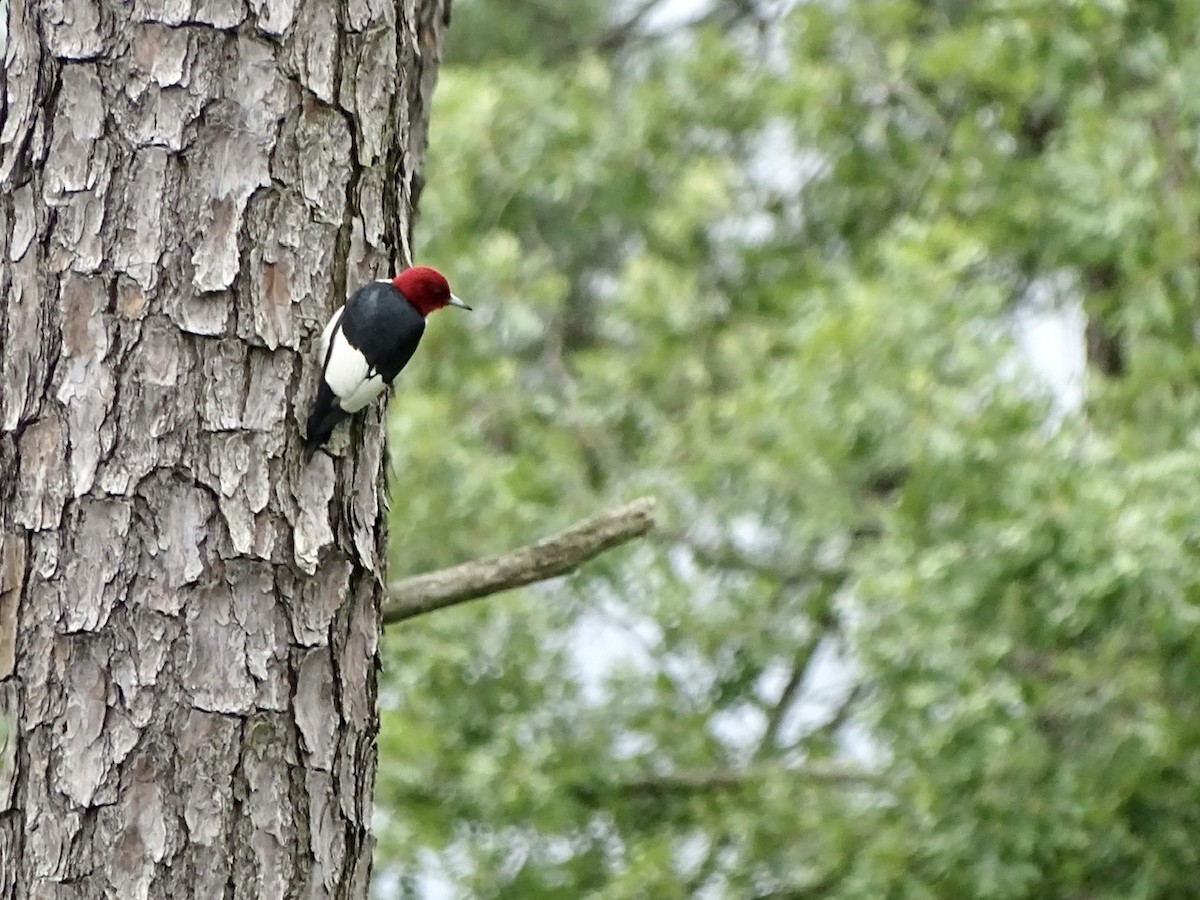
column 188, row 615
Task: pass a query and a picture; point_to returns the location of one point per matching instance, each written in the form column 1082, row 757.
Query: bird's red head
column 426, row 289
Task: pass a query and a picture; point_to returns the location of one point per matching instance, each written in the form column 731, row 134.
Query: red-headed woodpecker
column 368, row 341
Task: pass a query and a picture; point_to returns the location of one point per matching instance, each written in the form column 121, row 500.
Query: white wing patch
column 333, row 320
column 347, row 372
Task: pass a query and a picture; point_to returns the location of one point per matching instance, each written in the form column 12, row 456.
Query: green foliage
column 769, row 275
column 1067, row 766
column 532, row 32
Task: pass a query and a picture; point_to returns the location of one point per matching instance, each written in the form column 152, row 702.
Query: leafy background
column 917, row 622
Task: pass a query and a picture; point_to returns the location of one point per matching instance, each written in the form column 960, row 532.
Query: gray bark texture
column 189, row 616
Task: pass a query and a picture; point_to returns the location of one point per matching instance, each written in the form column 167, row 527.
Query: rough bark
column 189, row 616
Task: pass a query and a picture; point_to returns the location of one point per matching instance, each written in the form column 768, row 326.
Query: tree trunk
column 189, row 615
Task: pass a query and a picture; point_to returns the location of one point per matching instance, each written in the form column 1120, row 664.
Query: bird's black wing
column 383, row 325
column 386, row 329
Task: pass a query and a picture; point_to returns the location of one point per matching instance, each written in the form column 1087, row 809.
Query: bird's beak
column 457, row 301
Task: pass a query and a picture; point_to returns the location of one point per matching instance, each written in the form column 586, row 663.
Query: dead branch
column 548, row 558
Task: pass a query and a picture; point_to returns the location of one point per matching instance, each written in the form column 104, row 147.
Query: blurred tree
column 916, row 627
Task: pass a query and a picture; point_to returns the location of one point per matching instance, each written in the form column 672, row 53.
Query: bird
column 368, row 341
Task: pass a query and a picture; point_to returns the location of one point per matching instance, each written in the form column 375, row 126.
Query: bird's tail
column 311, row 443
column 319, row 432
column 321, row 423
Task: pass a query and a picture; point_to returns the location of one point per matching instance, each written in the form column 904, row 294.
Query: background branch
column 716, row 781
column 548, row 558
